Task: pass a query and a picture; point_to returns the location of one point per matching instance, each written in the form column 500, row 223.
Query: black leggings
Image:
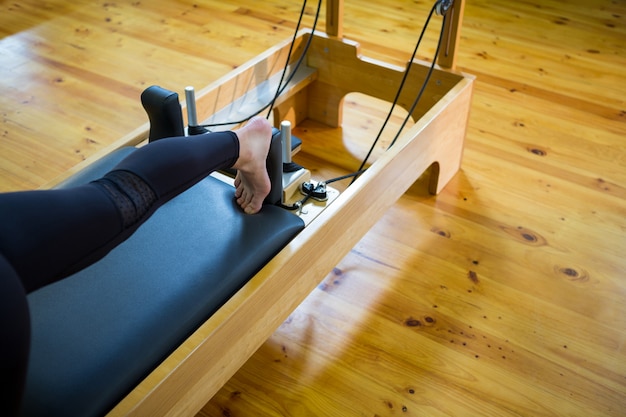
column 47, row 235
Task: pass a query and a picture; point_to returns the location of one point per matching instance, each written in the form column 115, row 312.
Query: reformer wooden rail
column 201, row 365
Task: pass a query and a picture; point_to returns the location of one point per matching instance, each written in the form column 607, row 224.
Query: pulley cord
column 437, row 8
column 280, row 87
column 434, row 9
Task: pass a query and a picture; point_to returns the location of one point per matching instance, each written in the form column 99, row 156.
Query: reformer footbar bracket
column 290, row 182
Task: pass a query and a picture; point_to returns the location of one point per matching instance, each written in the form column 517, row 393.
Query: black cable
column 280, row 88
column 282, row 76
column 435, row 9
column 307, row 195
column 306, row 49
column 400, row 88
column 316, row 190
column 343, row 177
column 419, row 96
column 297, row 205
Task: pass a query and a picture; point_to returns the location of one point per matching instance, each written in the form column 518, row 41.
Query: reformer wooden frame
column 183, row 383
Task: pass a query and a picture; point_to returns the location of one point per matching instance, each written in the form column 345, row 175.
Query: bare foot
column 252, row 184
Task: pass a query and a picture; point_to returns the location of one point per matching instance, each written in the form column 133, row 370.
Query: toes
column 238, row 186
column 248, row 203
column 252, row 207
column 244, row 199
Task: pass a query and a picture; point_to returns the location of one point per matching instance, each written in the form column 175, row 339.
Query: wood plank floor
column 503, row 296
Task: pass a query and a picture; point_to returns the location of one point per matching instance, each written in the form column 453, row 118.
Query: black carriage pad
column 98, row 333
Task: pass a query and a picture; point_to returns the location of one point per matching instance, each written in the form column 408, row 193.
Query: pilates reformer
column 166, row 319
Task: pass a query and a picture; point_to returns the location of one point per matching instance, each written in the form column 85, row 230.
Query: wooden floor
column 503, row 296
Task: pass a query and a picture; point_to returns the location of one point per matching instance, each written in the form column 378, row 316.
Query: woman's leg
column 48, row 235
column 14, row 339
column 157, row 167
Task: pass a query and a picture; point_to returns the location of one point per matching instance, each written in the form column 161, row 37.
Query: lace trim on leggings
column 133, row 196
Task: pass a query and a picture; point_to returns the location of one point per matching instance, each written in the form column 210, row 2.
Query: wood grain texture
column 502, row 296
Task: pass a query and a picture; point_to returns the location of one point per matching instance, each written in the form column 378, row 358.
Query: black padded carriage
column 96, row 334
